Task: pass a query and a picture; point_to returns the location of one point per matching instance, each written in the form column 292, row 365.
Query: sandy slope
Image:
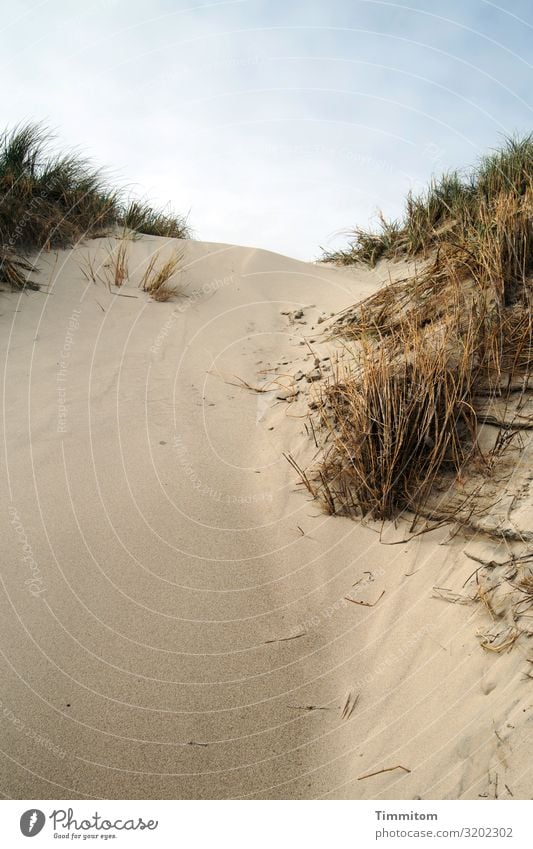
column 158, row 556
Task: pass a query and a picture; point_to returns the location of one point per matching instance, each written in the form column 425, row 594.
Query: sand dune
column 175, row 621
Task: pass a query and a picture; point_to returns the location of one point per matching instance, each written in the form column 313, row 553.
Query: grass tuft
column 119, row 263
column 397, row 422
column 143, row 218
column 368, row 247
column 155, row 280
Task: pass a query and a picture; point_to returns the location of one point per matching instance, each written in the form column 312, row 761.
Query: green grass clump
column 368, row 247
column 143, row 218
column 50, row 200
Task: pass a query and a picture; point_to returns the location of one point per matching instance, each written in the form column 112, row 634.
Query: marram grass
column 429, row 348
column 454, row 205
column 50, row 200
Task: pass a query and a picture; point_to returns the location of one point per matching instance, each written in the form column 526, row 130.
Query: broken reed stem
column 381, row 771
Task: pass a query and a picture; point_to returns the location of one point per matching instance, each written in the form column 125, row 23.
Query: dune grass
column 368, row 246
column 156, row 277
column 50, row 200
column 431, row 346
column 139, row 216
column 399, row 418
column 454, row 204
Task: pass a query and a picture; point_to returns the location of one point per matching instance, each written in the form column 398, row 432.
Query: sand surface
column 174, row 621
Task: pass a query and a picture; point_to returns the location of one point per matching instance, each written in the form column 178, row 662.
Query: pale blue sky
column 277, row 123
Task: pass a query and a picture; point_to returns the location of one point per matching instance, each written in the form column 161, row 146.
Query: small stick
column 365, row 603
column 284, row 639
column 314, row 434
column 472, row 575
column 349, row 705
column 380, row 771
column 243, row 384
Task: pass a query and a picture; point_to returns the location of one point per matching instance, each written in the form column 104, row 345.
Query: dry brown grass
column 155, row 279
column 524, row 586
column 119, row 263
column 15, row 271
column 428, row 347
column 89, row 268
column 397, row 422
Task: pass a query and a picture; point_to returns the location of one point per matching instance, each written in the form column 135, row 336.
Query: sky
column 274, row 123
